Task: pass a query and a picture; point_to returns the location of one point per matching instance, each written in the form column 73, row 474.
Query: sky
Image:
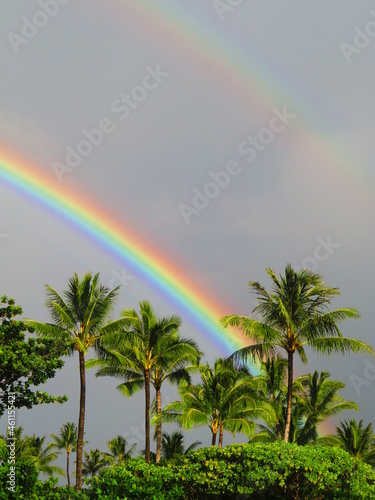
column 224, row 137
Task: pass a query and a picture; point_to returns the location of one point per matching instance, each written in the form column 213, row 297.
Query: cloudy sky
column 228, row 136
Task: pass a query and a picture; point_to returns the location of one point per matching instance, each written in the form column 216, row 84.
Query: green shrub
column 136, row 480
column 25, row 476
column 274, row 471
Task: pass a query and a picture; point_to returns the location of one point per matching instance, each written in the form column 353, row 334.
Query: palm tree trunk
column 158, row 427
column 81, row 420
column 213, row 443
column 67, row 470
column 221, row 435
column 147, row 416
column 290, row 394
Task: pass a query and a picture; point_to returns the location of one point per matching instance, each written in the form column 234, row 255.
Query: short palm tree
column 66, row 440
column 315, row 398
column 79, row 316
column 147, row 352
column 318, row 399
column 119, row 451
column 44, row 457
column 172, row 445
column 354, row 438
column 93, row 462
column 294, row 314
column 227, row 398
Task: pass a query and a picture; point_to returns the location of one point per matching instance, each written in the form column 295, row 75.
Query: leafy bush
column 25, row 476
column 249, row 471
column 134, row 479
column 274, row 471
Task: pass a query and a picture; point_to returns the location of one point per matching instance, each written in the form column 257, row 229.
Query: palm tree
column 227, row 398
column 93, row 462
column 118, row 448
column 318, row 400
column 66, row 440
column 30, row 448
column 147, row 352
column 79, row 316
column 24, row 446
column 294, row 315
column 315, row 399
column 44, row 457
column 357, row 440
column 172, row 445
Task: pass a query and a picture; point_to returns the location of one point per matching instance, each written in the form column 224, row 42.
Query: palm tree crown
column 119, row 451
column 173, row 445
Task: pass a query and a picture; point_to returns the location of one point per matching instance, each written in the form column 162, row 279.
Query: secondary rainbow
column 112, row 235
column 200, row 42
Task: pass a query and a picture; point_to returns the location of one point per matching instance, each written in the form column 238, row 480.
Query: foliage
column 25, row 476
column 25, row 362
column 135, row 479
column 294, row 314
column 272, row 471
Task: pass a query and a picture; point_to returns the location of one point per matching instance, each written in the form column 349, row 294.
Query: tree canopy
column 26, row 361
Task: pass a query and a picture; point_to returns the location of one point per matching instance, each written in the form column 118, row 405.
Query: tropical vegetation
column 279, row 414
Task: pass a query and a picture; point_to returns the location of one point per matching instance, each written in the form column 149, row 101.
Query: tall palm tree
column 118, row 448
column 227, row 398
column 147, row 352
column 294, row 314
column 172, row 445
column 66, row 440
column 80, row 316
column 354, row 438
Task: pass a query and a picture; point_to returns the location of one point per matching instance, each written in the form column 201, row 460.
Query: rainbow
column 249, row 78
column 105, row 230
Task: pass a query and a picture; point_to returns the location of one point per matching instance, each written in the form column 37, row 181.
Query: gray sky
column 278, row 95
